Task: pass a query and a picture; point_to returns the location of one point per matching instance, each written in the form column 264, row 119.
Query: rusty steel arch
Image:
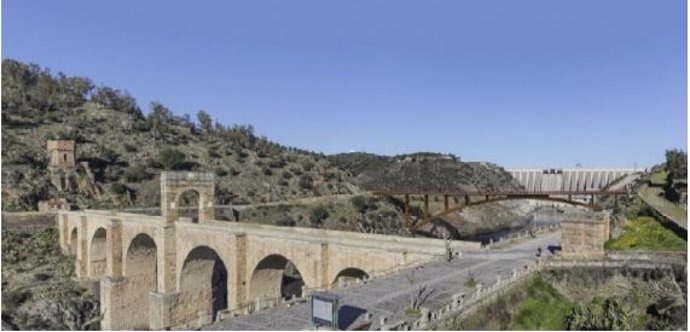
column 429, row 219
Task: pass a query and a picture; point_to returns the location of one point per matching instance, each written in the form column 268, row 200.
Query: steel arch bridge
column 468, row 199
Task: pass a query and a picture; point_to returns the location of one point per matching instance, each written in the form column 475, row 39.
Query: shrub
column 267, row 171
column 119, row 188
column 221, row 172
column 277, row 163
column 136, row 174
column 286, row 221
column 130, row 147
column 171, row 159
column 359, row 203
column 307, row 165
column 286, row 175
column 109, row 155
column 306, row 181
column 318, row 215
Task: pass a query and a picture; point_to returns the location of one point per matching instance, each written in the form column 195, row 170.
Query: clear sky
column 519, row 83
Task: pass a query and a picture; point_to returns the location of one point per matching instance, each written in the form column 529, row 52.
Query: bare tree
column 419, row 293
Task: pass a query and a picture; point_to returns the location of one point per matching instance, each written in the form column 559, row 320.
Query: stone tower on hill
column 61, row 154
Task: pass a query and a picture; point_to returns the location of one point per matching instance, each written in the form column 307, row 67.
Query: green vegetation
column 318, row 215
column 654, row 196
column 677, row 164
column 600, row 314
column 422, row 171
column 122, row 145
column 543, row 309
column 471, row 283
column 645, row 233
column 413, row 312
column 658, row 178
column 33, row 264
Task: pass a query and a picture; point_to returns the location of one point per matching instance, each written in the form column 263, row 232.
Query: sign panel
column 323, row 310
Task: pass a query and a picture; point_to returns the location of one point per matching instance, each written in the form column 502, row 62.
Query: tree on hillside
column 117, row 100
column 171, row 159
column 73, row 90
column 159, row 119
column 676, row 163
column 205, row 122
column 677, row 166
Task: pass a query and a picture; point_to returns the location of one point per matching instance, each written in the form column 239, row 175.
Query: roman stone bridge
column 159, row 272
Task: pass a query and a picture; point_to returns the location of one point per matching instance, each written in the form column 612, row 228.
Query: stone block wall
column 584, row 235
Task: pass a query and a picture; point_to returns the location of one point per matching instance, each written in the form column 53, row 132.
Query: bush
column 306, row 181
column 109, row 155
column 318, row 215
column 171, row 159
column 119, row 189
column 267, row 171
column 307, row 165
column 130, row 147
column 286, row 221
column 286, row 175
column 359, row 203
column 137, row 174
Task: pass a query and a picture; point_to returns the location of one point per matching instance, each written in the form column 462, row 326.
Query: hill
column 126, row 150
column 120, row 153
column 424, row 171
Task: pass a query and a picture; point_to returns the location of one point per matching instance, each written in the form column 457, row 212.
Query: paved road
column 390, row 296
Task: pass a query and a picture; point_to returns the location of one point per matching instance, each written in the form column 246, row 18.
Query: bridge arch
column 500, row 199
column 98, row 253
column 275, row 277
column 186, row 198
column 349, row 275
column 174, row 184
column 140, row 269
column 203, row 284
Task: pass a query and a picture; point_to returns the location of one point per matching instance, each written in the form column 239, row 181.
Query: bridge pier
column 114, row 303
column 161, row 309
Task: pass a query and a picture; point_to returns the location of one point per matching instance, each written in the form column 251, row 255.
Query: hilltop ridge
column 126, row 150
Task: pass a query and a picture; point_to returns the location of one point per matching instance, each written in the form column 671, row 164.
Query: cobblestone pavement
column 389, row 296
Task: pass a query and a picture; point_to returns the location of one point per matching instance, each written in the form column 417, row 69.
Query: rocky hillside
column 126, row 150
column 423, row 172
column 120, row 153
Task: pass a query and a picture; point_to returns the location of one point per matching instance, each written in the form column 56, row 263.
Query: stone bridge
column 159, row 272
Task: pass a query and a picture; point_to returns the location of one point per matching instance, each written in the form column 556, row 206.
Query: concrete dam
column 568, row 179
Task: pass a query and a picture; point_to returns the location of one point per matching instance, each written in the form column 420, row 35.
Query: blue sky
column 519, row 83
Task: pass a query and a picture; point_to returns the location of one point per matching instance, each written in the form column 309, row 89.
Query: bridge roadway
column 390, row 295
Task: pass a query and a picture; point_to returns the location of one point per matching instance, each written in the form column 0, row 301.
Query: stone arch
column 73, row 241
column 349, row 275
column 275, row 277
column 98, row 253
column 203, row 284
column 188, row 198
column 173, row 184
column 140, row 269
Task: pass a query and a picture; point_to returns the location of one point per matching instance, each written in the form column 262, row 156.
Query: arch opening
column 97, row 257
column 141, row 272
column 189, row 204
column 73, row 241
column 275, row 277
column 203, row 283
column 348, row 276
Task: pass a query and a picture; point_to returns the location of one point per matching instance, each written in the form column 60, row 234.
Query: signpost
column 324, row 310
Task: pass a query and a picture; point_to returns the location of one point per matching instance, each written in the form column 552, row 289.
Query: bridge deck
column 390, row 295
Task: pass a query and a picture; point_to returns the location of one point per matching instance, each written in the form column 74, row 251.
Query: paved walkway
column 389, row 296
